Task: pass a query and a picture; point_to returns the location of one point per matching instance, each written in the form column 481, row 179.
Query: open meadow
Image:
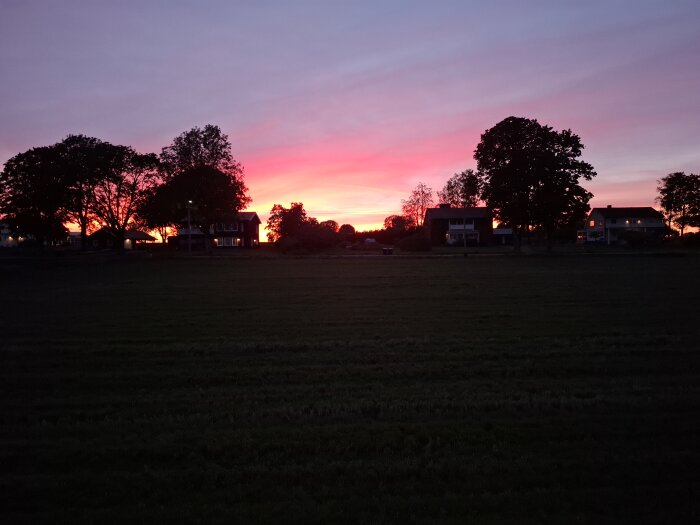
column 480, row 389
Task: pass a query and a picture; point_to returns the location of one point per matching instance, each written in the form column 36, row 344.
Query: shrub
column 417, row 242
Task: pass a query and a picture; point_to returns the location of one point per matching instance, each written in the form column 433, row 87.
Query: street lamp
column 189, row 227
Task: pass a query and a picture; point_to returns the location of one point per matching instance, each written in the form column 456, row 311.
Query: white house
column 610, row 224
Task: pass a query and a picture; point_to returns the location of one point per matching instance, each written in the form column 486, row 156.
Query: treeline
column 93, row 183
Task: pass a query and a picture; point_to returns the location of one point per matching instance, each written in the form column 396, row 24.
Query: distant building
column 105, row 238
column 6, row 238
column 243, row 231
column 610, row 224
column 447, row 226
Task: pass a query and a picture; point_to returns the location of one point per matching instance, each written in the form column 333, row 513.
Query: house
column 611, row 224
column 447, row 226
column 106, row 238
column 243, row 231
column 6, row 238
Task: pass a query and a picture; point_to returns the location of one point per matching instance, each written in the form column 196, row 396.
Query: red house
column 243, row 231
column 447, row 226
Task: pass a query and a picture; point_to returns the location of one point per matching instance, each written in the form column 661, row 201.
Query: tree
column 85, row 161
column 216, row 196
column 286, row 222
column 33, row 194
column 119, row 194
column 415, row 206
column 531, row 176
column 397, row 223
column 462, row 190
column 346, row 229
column 199, row 147
column 679, row 197
column 158, row 211
column 330, row 225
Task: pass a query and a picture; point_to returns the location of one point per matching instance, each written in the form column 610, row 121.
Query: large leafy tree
column 679, row 197
column 197, row 148
column 85, row 162
column 530, row 175
column 198, row 166
column 215, row 196
column 418, row 202
column 287, row 222
column 119, row 194
column 462, row 190
column 33, row 194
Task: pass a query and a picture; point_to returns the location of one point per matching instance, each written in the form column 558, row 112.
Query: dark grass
column 362, row 390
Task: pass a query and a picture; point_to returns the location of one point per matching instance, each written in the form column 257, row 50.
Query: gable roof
column 248, row 216
column 480, row 212
column 134, row 235
column 643, row 212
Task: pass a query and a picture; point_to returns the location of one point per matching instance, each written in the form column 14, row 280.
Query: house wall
column 438, row 228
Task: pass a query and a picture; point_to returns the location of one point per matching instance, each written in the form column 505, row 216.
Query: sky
column 347, row 105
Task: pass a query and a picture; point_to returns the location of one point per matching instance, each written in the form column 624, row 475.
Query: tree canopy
column 530, row 175
column 199, row 147
column 462, row 190
column 216, row 196
column 418, row 202
column 33, row 194
column 679, row 197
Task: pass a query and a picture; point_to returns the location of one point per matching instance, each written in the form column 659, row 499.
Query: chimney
column 443, row 206
column 609, row 205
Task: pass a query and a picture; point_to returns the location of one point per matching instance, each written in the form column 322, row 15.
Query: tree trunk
column 83, row 235
column 517, row 240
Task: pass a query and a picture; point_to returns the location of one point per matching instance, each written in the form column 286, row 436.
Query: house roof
column 458, row 213
column 643, row 212
column 248, row 216
column 134, row 235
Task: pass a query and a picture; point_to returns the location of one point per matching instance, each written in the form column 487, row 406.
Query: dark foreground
column 379, row 390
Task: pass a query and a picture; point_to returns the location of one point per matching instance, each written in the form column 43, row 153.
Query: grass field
column 351, row 390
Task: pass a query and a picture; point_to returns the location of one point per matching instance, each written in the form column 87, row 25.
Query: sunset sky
column 345, row 106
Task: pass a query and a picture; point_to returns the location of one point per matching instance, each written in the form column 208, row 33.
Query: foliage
column 418, row 242
column 531, row 175
column 286, row 222
column 34, row 193
column 127, row 185
column 216, row 196
column 462, row 190
column 679, row 197
column 86, row 162
column 330, row 225
column 197, row 148
column 397, row 223
column 415, row 206
column 346, row 229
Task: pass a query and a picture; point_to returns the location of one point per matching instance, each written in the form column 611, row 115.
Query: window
column 591, row 224
column 456, row 221
column 613, row 221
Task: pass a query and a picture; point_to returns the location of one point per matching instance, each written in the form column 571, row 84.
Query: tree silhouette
column 531, row 176
column 462, row 190
column 415, row 206
column 126, row 186
column 679, row 197
column 86, row 162
column 216, row 196
column 197, row 148
column 287, row 222
column 33, row 194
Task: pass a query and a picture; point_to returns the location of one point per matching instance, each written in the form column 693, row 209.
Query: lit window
column 591, row 224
